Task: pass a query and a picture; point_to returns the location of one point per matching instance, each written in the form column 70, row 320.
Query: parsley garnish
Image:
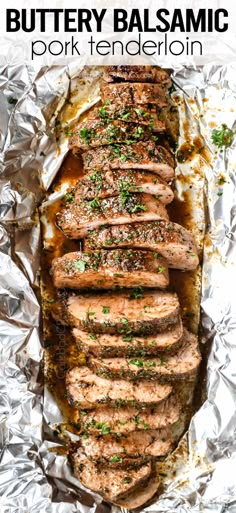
column 116, row 459
column 222, row 136
column 137, row 293
column 69, row 197
column 95, row 203
column 80, row 265
column 138, row 363
column 105, row 309
column 161, row 269
column 138, row 207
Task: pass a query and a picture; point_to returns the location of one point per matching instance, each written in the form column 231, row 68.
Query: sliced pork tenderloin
column 121, row 313
column 129, row 345
column 86, row 390
column 76, row 219
column 183, row 364
column 141, row 155
column 124, row 93
column 172, row 241
column 109, row 270
column 112, row 182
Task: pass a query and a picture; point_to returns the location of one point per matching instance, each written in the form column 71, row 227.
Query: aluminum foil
column 32, row 476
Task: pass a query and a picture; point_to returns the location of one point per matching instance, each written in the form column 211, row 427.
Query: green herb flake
column 105, row 430
column 151, row 364
column 127, row 479
column 161, row 269
column 138, row 363
column 84, row 133
column 116, row 459
column 222, row 136
column 93, row 337
column 79, row 265
column 137, row 293
column 126, row 116
column 162, row 361
column 138, row 207
column 95, row 203
column 127, row 339
column 106, row 309
column 69, row 198
column 139, row 112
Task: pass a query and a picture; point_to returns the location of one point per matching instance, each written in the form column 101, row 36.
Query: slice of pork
column 76, row 219
column 172, row 241
column 109, row 270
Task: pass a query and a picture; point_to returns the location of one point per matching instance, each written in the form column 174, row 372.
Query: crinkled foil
column 32, row 476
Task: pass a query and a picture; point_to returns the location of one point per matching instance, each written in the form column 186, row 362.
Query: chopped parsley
column 127, row 479
column 105, row 430
column 95, row 203
column 138, row 207
column 138, row 363
column 116, row 459
column 106, row 309
column 222, row 136
column 137, row 293
column 80, row 265
column 69, row 197
column 85, row 134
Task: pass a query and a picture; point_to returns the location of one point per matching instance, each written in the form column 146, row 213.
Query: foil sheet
column 34, row 477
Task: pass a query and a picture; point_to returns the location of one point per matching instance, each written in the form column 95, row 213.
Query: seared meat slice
column 144, row 115
column 87, row 390
column 109, row 269
column 129, row 450
column 118, row 345
column 172, row 241
column 93, row 133
column 79, row 217
column 119, row 312
column 112, row 484
column 137, row 74
column 183, row 364
column 145, row 492
column 123, row 94
column 128, row 419
column 140, row 155
column 112, row 182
